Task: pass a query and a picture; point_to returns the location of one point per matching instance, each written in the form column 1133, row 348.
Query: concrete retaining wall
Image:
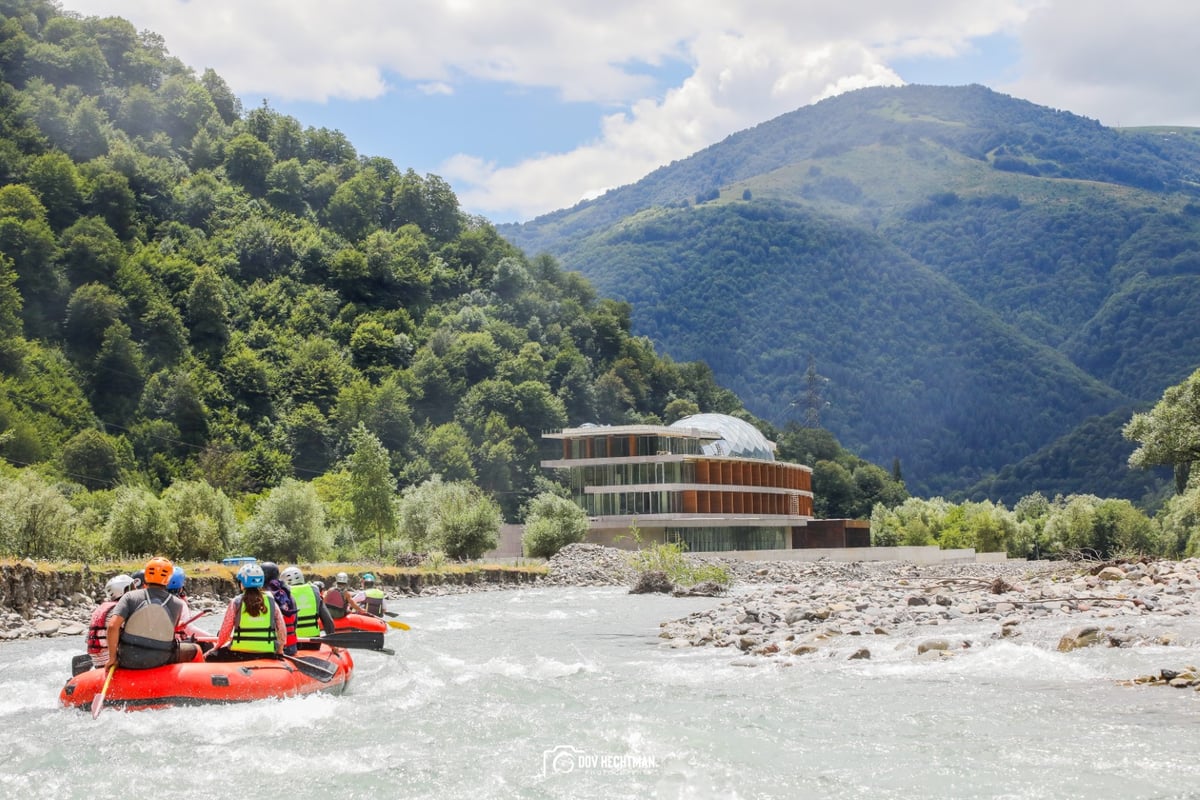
column 918, row 555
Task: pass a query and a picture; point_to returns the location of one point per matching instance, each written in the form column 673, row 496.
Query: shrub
column 551, row 524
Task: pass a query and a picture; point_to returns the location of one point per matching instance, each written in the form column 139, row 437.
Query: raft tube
column 360, row 622
column 203, row 682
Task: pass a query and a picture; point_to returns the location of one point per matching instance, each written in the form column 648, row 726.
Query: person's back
column 141, row 626
column 311, row 612
column 372, row 600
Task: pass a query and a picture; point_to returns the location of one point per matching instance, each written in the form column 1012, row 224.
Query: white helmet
column 292, row 576
column 117, row 585
column 342, row 578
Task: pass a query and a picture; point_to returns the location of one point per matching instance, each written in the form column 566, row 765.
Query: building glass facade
column 716, row 487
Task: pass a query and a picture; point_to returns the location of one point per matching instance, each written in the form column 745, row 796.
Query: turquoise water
column 567, row 693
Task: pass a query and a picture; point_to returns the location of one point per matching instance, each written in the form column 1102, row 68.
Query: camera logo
column 564, row 759
column 560, row 760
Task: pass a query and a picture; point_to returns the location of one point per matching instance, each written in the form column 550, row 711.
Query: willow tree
column 1169, row 433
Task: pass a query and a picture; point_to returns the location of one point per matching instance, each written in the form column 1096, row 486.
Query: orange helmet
column 158, row 571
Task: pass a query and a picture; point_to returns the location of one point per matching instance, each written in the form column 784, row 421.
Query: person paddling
column 141, row 626
column 283, row 598
column 97, row 640
column 339, row 599
column 253, row 626
column 177, row 587
column 310, row 607
column 370, row 598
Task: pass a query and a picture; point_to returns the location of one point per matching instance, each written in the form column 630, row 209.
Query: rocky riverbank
column 856, row 610
column 39, row 600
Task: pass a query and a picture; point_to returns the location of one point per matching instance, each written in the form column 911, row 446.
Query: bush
column 36, row 520
column 139, row 524
column 551, row 524
column 669, row 558
column 289, row 525
column 456, row 518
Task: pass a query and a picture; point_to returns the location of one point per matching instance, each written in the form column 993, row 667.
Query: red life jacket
column 97, row 639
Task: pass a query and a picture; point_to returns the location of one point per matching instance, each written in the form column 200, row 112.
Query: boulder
column 1078, row 637
column 653, row 581
column 1111, row 574
column 860, row 653
column 932, row 644
column 47, row 627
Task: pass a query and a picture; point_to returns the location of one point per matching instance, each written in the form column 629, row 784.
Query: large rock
column 47, row 627
column 653, row 581
column 1076, row 638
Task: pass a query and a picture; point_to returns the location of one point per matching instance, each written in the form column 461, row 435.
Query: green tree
column 207, row 313
column 203, row 518
column 36, row 521
column 455, row 518
column 55, row 179
column 552, row 523
column 1169, row 434
column 93, row 459
column 288, row 525
column 248, row 161
column 139, row 525
column 372, row 486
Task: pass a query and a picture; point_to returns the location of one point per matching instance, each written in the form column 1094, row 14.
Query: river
column 566, row 693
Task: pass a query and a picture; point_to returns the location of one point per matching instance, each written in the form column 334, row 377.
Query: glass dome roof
column 738, row 437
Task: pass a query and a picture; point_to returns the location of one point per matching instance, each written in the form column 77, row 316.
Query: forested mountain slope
column 1079, row 241
column 190, row 290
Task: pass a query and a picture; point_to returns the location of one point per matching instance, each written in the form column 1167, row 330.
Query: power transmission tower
column 814, row 401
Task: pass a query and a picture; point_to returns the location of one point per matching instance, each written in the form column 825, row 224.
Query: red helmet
column 158, row 571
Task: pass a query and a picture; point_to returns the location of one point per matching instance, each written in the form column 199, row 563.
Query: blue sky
column 526, row 107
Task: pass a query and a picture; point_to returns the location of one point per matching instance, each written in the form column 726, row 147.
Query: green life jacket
column 374, row 601
column 307, row 607
column 255, row 634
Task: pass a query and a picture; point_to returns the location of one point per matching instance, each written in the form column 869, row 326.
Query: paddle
column 397, row 625
column 98, row 700
column 352, row 640
column 313, row 667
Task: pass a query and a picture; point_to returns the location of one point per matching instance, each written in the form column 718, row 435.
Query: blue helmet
column 250, row 576
column 368, row 577
column 175, row 584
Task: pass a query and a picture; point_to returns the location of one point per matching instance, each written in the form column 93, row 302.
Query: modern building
column 709, row 480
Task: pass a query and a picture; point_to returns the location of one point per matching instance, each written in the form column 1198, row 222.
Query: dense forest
column 195, row 294
column 1070, row 254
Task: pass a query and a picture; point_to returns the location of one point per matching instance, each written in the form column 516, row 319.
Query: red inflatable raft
column 325, row 669
column 360, row 622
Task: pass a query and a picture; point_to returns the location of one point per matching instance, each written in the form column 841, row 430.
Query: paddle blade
column 363, row 640
column 316, row 668
column 400, row 626
column 98, row 700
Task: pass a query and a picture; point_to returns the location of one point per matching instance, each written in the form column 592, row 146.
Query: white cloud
column 1125, row 63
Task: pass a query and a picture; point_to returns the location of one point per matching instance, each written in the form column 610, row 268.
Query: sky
column 528, row 106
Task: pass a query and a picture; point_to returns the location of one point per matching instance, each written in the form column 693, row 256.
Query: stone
column 860, row 654
column 652, row 582
column 1078, row 637
column 47, row 627
column 803, row 649
column 1111, row 574
column 932, row 644
column 917, row 601
column 72, row 629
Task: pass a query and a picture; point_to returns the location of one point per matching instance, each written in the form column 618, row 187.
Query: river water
column 567, row 693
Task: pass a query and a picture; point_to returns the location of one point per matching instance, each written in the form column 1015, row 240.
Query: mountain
column 193, row 291
column 977, row 276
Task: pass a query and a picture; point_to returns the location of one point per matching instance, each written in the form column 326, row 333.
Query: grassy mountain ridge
column 1079, row 241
